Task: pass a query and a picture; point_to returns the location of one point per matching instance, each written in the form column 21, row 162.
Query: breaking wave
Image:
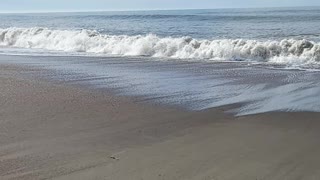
column 286, row 51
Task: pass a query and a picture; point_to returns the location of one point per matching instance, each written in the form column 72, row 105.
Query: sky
column 96, row 5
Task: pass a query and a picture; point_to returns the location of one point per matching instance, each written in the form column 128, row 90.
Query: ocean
column 286, row 36
column 265, row 59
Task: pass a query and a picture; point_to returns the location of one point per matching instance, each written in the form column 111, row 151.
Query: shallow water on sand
column 190, row 85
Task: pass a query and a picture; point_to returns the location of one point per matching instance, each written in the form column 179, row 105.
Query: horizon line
column 132, row 10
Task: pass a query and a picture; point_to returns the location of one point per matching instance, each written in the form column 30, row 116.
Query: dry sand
column 55, row 131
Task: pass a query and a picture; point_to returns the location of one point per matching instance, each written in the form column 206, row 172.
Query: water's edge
column 191, row 85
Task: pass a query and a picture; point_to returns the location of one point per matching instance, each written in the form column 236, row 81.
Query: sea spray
column 286, row 51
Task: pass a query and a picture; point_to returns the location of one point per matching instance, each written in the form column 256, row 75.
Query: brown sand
column 52, row 131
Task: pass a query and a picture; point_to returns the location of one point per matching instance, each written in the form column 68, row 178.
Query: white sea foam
column 287, row 51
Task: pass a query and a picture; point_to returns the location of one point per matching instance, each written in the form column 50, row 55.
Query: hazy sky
column 80, row 5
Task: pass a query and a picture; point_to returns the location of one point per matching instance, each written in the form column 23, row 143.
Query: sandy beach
column 159, row 90
column 56, row 131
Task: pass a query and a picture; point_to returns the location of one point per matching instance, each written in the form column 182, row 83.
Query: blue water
column 281, row 36
column 266, row 23
column 179, row 58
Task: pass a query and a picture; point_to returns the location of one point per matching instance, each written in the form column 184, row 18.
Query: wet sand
column 56, row 131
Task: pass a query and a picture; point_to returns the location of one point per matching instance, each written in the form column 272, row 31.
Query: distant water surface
column 262, row 23
column 285, row 36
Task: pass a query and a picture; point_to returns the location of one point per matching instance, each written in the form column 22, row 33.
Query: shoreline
column 57, row 131
column 188, row 85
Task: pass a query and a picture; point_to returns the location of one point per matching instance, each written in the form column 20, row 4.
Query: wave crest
column 288, row 51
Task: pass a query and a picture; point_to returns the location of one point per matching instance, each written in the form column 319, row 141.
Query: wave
column 286, row 51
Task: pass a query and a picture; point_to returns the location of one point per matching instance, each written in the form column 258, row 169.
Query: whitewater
column 179, row 58
column 286, row 51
